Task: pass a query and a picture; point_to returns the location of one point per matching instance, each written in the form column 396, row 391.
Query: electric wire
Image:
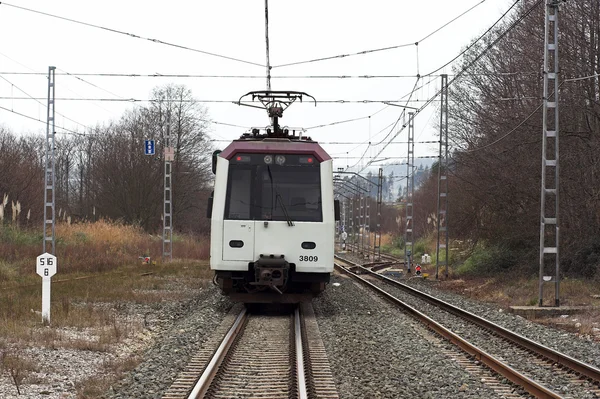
column 383, row 48
column 507, row 134
column 89, row 83
column 212, row 76
column 463, row 52
column 514, row 129
column 457, row 75
column 158, row 41
column 139, row 100
column 476, row 41
column 41, row 103
column 41, row 121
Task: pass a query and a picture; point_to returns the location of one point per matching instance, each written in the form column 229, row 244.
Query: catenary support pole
column 549, row 208
column 442, row 200
column 50, row 169
column 168, row 195
column 410, row 186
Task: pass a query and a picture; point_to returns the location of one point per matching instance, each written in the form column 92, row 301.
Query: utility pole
column 352, row 220
column 362, row 221
column 549, row 237
column 368, row 220
column 169, row 155
column 377, row 242
column 442, row 200
column 50, row 168
column 267, row 44
column 410, row 187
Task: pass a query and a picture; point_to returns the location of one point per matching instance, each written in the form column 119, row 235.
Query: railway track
column 371, row 254
column 262, row 355
column 514, row 357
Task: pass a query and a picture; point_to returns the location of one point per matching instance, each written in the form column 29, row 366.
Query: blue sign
column 149, row 147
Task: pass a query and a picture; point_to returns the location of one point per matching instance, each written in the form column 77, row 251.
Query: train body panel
column 273, row 222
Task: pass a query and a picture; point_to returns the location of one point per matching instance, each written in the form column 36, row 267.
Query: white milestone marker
column 46, row 268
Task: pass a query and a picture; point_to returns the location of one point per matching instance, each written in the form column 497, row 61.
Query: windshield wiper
column 280, row 199
column 287, row 216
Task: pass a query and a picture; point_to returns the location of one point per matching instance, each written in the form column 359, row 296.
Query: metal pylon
column 410, row 187
column 377, row 241
column 367, row 229
column 549, row 237
column 168, row 203
column 442, row 200
column 352, row 216
column 49, row 168
column 361, row 222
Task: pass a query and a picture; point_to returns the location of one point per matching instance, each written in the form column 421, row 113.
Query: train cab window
column 260, row 189
column 292, row 189
column 238, row 198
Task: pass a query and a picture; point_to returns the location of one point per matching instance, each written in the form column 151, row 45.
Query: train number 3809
column 308, row 258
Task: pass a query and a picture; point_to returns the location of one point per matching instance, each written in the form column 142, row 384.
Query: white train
column 272, row 217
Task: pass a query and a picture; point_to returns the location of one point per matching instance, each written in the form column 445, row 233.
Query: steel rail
column 549, row 353
column 370, row 250
column 300, row 375
column 498, row 366
column 209, row 373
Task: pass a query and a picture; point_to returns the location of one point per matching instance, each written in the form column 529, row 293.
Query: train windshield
column 288, row 191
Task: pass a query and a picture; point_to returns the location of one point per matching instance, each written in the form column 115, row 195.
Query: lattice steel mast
column 168, row 198
column 50, row 168
column 377, row 241
column 549, row 210
column 442, row 200
column 410, row 187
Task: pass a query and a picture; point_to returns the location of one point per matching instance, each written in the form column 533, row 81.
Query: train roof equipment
column 275, row 102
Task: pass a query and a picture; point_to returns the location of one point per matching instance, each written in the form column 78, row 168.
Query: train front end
column 273, row 220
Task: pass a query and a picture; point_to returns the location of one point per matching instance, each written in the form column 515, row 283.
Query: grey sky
column 299, row 30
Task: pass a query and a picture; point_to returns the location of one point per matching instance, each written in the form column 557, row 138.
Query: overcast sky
column 299, row 31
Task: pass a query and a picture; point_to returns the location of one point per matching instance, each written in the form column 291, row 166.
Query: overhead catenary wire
column 465, row 68
column 236, row 102
column 89, row 83
column 40, row 102
column 41, row 121
column 413, row 43
column 512, row 130
column 476, row 41
column 92, row 134
column 132, row 35
column 213, row 76
column 456, row 76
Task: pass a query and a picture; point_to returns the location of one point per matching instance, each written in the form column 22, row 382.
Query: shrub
column 585, row 261
column 488, row 260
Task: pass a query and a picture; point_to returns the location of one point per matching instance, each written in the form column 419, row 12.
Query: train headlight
column 268, row 159
column 279, row 159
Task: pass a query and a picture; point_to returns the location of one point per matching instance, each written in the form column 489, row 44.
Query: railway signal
column 418, row 270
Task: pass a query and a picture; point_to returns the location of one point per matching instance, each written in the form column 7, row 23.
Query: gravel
column 515, row 357
column 190, row 327
column 375, row 351
column 166, row 335
column 580, row 347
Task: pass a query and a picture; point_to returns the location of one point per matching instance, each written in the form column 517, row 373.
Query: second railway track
column 543, row 372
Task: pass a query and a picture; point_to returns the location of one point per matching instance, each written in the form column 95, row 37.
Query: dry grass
column 94, row 387
column 506, row 291
column 94, row 302
column 98, row 268
column 17, row 366
column 89, row 248
column 99, row 276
